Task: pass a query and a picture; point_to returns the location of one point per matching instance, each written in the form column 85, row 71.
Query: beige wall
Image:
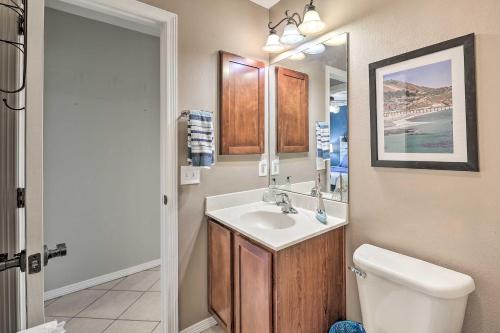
column 449, row 218
column 205, row 27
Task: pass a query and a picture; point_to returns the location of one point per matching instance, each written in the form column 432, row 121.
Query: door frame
column 340, row 75
column 139, row 16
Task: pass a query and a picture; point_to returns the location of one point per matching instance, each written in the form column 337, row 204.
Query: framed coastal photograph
column 423, row 108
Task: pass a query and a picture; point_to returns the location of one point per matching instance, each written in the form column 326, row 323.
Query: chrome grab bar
column 357, row 271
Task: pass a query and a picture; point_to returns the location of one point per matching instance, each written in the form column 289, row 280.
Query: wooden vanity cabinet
column 299, row 289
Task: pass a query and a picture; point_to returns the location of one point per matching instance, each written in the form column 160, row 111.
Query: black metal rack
column 21, row 11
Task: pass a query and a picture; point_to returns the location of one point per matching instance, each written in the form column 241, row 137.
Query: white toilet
column 403, row 294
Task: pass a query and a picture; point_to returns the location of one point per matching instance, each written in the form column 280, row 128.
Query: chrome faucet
column 284, row 201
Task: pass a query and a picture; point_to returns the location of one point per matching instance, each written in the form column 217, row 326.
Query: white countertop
column 304, row 225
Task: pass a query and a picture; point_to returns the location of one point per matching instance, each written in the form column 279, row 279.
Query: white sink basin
column 267, row 220
column 267, row 225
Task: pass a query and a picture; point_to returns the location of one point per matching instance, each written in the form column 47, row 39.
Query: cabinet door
column 242, row 105
column 292, row 111
column 219, row 274
column 253, row 288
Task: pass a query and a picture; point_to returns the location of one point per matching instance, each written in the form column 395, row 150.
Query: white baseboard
column 50, row 294
column 200, row 326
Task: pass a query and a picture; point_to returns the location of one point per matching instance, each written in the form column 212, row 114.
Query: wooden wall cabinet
column 299, row 289
column 292, row 111
column 242, row 95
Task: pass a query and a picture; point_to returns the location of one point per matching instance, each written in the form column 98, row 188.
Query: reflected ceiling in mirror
column 308, row 118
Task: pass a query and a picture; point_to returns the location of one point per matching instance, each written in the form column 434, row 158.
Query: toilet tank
column 403, row 294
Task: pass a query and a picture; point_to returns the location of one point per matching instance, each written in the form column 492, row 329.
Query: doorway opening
column 102, row 174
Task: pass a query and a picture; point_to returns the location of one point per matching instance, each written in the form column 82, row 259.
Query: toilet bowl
column 403, row 294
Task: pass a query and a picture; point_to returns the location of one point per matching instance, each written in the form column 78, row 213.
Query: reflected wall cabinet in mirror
column 242, row 95
column 292, row 111
column 308, row 118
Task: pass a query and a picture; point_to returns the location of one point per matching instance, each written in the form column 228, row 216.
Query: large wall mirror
column 308, row 118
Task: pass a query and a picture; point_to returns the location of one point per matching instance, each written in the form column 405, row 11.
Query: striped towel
column 201, row 147
column 323, row 140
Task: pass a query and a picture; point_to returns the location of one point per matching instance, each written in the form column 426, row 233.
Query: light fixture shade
column 312, row 23
column 273, row 44
column 291, row 34
column 337, row 40
column 315, row 49
column 298, row 56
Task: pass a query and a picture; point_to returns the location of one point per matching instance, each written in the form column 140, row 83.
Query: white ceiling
column 266, row 3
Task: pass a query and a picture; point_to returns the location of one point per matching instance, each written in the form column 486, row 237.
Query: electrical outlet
column 190, row 175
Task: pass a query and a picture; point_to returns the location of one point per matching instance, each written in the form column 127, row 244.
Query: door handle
column 59, row 251
column 19, row 260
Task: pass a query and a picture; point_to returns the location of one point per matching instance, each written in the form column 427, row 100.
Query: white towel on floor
column 50, row 327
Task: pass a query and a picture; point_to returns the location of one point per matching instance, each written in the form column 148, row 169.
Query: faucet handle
column 282, row 198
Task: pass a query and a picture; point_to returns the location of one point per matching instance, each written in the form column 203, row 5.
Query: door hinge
column 21, row 197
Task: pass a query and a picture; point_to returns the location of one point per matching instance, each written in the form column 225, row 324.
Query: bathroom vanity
column 274, row 272
column 270, row 272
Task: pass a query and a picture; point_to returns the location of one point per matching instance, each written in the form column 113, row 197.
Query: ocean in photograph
column 418, row 110
column 428, row 133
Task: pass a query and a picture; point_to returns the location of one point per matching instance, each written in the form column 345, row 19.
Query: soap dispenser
column 320, row 208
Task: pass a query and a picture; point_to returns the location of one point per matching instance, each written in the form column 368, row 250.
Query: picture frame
column 423, row 108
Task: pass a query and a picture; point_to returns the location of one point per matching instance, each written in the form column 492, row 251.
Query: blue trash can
column 347, row 326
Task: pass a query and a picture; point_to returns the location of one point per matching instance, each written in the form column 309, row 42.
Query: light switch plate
column 190, row 175
column 275, row 166
column 263, row 168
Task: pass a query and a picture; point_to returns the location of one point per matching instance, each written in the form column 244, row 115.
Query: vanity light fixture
column 298, row 56
column 273, row 44
column 296, row 27
column 291, row 34
column 315, row 49
column 312, row 22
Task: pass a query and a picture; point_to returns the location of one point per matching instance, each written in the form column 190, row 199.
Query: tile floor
column 127, row 305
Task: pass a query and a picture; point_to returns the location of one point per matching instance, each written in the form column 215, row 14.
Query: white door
column 12, row 245
column 34, row 163
column 151, row 19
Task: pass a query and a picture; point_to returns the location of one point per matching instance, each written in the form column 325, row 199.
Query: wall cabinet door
column 292, row 111
column 253, row 288
column 219, row 274
column 241, row 105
